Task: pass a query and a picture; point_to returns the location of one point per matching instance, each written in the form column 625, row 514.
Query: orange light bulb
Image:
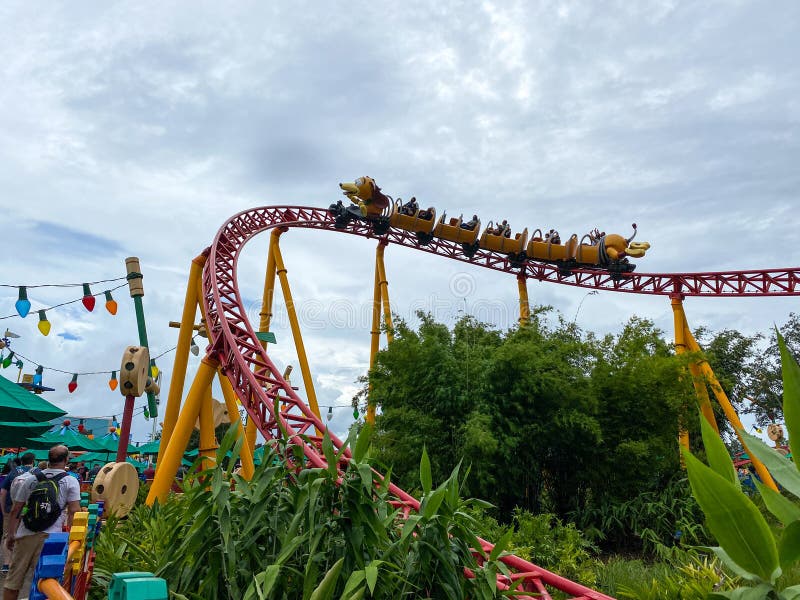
column 111, row 304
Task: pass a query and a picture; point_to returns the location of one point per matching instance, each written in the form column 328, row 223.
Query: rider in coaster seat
column 410, row 208
column 471, row 224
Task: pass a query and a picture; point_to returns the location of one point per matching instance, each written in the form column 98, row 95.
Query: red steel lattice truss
column 260, row 386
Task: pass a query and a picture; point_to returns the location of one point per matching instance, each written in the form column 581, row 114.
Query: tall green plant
column 747, row 544
column 296, row 532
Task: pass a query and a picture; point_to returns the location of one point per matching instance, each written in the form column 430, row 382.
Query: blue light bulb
column 23, row 305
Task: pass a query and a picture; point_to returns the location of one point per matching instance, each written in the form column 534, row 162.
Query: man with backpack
column 39, row 498
column 27, row 461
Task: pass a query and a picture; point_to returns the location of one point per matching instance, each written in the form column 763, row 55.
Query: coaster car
column 502, row 244
column 413, row 223
column 587, row 254
column 538, row 249
column 454, row 232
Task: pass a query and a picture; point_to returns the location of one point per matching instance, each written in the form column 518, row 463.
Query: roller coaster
column 237, row 352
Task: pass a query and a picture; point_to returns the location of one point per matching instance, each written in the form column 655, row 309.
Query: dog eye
column 360, row 181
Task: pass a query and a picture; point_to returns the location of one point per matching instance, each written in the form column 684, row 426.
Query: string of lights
column 8, row 360
column 41, row 285
column 23, row 305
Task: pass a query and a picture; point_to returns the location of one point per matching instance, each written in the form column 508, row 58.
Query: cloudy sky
column 139, row 128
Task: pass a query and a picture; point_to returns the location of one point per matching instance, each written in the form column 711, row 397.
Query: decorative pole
column 137, row 291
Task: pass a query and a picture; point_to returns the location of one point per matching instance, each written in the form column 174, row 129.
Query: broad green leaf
column 784, row 509
column 501, row 545
column 791, row 395
column 356, row 579
column 780, row 467
column 362, row 443
column 409, row 526
column 717, row 453
column 734, row 520
column 431, row 504
column 358, row 594
column 425, row 472
column 790, row 593
column 329, row 452
column 262, row 584
column 789, row 545
column 327, row 586
column 760, row 592
column 365, row 471
column 371, row 572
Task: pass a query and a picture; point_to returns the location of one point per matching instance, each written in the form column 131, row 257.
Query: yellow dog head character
column 366, row 193
column 618, row 247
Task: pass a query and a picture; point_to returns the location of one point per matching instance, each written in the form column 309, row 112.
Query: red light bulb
column 73, row 385
column 88, row 299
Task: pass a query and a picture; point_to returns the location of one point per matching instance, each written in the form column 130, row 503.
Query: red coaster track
column 260, row 386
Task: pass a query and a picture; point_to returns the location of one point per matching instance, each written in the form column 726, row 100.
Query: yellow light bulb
column 44, row 324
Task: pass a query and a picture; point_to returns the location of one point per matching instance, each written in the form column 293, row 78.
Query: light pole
column 592, row 293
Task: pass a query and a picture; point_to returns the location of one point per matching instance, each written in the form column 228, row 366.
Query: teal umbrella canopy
column 66, row 436
column 17, row 435
column 102, row 458
column 20, row 405
column 37, row 455
column 148, row 448
column 110, row 443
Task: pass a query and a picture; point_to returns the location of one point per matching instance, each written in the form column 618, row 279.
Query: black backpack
column 42, row 508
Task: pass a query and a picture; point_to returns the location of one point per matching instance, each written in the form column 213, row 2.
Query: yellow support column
column 248, row 468
column 269, row 285
column 208, row 440
column 266, row 318
column 181, row 355
column 375, row 337
column 524, row 305
column 682, row 347
column 250, row 433
column 729, row 410
column 171, row 459
column 308, row 380
column 383, row 284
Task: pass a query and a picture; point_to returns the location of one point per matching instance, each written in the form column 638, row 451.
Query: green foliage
column 300, row 534
column 748, row 546
column 573, row 423
column 648, row 522
column 636, row 580
column 546, row 541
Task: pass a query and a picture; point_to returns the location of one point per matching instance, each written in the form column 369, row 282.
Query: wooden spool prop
column 117, row 484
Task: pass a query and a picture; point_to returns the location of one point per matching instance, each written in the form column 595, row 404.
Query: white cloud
column 138, row 128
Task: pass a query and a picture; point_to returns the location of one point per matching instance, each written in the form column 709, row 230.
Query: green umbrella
column 148, row 448
column 37, row 455
column 16, row 435
column 66, row 436
column 103, row 458
column 20, row 405
column 110, row 443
